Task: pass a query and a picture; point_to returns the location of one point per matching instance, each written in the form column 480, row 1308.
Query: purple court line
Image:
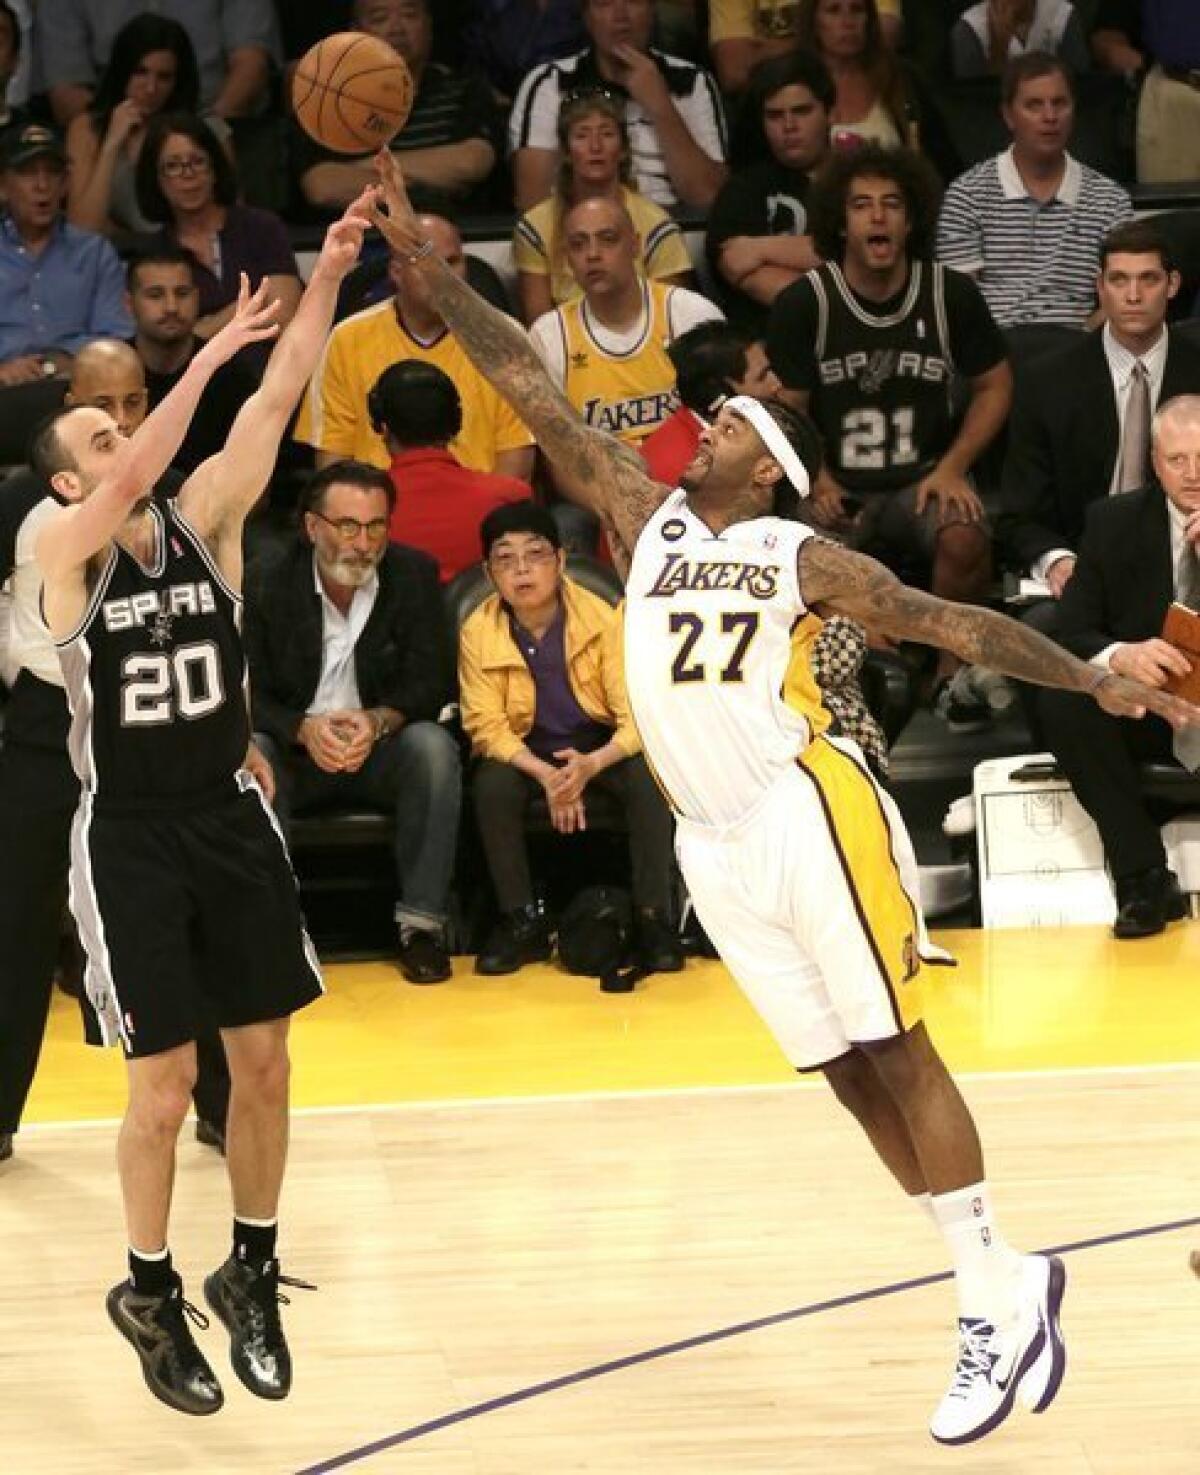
column 702, row 1339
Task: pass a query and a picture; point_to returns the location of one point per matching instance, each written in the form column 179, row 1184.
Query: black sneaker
column 657, row 945
column 246, row 1301
column 6, row 1147
column 423, row 959
column 172, row 1365
column 518, row 938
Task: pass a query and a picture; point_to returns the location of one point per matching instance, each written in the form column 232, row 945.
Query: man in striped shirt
column 449, row 142
column 1027, row 224
column 673, row 111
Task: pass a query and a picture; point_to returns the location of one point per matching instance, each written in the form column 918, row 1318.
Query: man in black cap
column 61, row 286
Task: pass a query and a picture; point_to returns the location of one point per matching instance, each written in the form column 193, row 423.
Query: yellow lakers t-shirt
column 334, row 415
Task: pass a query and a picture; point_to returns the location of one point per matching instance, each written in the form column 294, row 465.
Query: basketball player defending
column 180, row 882
column 796, row 860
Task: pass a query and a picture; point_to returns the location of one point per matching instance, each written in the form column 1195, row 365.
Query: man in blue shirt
column 60, row 287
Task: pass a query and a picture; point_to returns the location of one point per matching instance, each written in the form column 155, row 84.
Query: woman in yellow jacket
column 543, row 698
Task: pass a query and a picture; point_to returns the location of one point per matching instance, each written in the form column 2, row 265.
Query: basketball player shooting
column 180, row 882
column 797, row 862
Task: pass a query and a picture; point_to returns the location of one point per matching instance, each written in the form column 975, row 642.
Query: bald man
column 336, row 418
column 38, row 788
column 608, row 349
column 1137, row 555
column 108, row 375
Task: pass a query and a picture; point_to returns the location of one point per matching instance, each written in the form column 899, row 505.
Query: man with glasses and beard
column 348, row 672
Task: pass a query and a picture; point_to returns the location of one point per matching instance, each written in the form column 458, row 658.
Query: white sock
column 924, row 1202
column 986, row 1267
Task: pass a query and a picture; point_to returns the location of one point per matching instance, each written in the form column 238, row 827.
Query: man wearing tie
column 1080, row 428
column 1138, row 553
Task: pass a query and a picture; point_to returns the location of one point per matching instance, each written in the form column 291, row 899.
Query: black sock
column 151, row 1277
column 254, row 1244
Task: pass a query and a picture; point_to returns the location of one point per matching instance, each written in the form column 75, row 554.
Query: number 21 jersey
column 717, row 658
column 155, row 673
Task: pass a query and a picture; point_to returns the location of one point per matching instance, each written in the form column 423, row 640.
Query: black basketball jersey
column 156, row 674
column 883, row 390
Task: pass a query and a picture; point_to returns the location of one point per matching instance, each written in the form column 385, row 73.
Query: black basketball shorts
column 177, row 903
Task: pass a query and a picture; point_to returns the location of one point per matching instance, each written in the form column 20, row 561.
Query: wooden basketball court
column 561, row 1231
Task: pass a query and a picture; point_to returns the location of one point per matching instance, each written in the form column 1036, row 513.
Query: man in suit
column 1080, row 428
column 349, row 668
column 1138, row 553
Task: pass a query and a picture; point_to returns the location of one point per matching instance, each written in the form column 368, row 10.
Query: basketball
column 352, row 92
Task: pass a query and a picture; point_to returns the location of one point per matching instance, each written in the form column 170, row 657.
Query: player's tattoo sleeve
column 599, row 471
column 840, row 581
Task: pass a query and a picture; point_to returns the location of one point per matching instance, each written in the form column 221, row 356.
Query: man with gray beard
column 349, row 669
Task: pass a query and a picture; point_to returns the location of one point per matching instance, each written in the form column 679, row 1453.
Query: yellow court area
column 557, row 1231
column 1019, row 1000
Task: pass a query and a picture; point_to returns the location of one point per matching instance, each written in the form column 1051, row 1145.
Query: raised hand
column 391, row 210
column 344, row 238
column 253, row 321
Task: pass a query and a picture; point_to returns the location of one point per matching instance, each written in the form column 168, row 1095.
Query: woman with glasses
column 595, row 163
column 152, row 69
column 186, row 185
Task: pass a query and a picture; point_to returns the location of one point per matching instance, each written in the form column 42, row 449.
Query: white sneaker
column 992, row 1362
column 1045, row 1276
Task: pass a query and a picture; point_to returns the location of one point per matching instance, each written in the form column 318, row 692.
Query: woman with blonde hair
column 596, row 163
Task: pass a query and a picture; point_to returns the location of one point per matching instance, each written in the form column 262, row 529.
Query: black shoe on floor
column 208, row 1134
column 657, row 947
column 246, row 1301
column 172, row 1365
column 423, row 959
column 518, row 938
column 6, row 1148
column 1147, row 901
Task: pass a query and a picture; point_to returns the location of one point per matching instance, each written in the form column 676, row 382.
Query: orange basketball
column 352, row 92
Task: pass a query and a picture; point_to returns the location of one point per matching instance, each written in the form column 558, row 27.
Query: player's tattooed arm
column 596, row 469
column 836, row 580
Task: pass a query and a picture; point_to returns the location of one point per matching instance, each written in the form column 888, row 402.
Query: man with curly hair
column 874, row 346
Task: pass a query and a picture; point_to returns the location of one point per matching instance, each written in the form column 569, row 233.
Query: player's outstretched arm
column 221, row 491
column 594, row 468
column 836, row 580
column 78, row 532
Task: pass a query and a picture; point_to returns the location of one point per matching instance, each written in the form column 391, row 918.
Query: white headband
column 772, row 437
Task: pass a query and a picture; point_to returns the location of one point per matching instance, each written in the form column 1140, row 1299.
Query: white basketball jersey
column 717, row 642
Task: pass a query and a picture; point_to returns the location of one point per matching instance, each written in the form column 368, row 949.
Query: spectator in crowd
column 504, row 39
column 596, row 164
column 302, row 26
column 874, row 100
column 12, row 112
column 758, row 240
column 107, row 375
column 744, row 33
column 711, row 362
column 608, row 350
column 449, row 143
column 439, row 502
column 236, row 44
column 334, row 418
column 186, row 185
column 544, row 704
column 165, row 303
column 1027, row 224
column 988, row 35
column 869, row 345
column 152, row 70
column 1138, row 554
column 59, row 286
column 346, row 647
column 1163, row 35
column 673, row 110
column 1080, row 429
column 39, row 791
